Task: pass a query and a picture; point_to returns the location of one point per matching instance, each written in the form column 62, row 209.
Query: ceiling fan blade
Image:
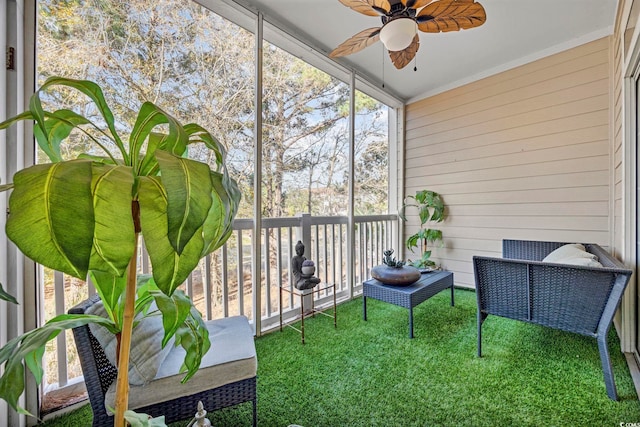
column 415, row 4
column 356, row 43
column 401, row 58
column 450, row 15
column 368, row 7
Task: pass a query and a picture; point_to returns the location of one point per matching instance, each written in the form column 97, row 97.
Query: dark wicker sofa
column 571, row 298
column 99, row 374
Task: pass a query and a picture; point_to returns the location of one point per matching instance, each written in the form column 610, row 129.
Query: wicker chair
column 571, row 298
column 99, row 374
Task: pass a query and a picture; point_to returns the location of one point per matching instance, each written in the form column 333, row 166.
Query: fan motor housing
column 398, row 10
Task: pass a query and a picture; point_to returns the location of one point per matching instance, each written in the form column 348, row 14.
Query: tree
column 176, row 54
column 140, row 51
column 371, row 181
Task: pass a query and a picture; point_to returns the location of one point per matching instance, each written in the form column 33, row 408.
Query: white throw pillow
column 572, row 250
column 574, row 254
column 146, row 354
column 587, row 262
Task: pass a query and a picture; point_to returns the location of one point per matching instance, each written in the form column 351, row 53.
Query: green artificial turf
column 371, row 374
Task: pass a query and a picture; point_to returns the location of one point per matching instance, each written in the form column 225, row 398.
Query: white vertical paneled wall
column 523, row 154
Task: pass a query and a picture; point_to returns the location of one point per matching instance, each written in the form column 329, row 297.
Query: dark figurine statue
column 302, row 280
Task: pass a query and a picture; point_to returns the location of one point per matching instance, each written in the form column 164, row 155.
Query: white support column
column 396, row 172
column 4, row 418
column 351, row 207
column 626, row 320
column 18, row 19
column 257, row 185
column 25, row 156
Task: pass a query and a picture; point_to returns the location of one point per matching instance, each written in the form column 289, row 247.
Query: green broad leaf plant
column 85, row 217
column 431, row 209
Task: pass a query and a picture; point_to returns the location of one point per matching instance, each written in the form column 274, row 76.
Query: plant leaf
column 33, row 361
column 218, row 225
column 412, row 241
column 170, row 269
column 27, row 115
column 6, row 296
column 424, row 214
column 197, row 134
column 99, row 159
column 40, row 129
column 110, row 288
column 403, row 210
column 51, row 215
column 430, row 206
column 194, row 338
column 93, row 91
column 433, row 235
column 188, row 188
column 29, row 348
column 40, row 136
column 150, row 116
column 114, row 234
column 12, row 384
column 149, row 164
column 174, row 309
column 59, row 125
column 145, row 285
column 143, row 420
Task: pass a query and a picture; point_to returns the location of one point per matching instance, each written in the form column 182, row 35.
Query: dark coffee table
column 410, row 296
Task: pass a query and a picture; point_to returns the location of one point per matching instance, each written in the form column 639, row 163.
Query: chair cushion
column 147, row 353
column 231, row 358
column 574, row 254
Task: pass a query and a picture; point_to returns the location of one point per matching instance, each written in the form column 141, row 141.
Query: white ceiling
column 516, row 32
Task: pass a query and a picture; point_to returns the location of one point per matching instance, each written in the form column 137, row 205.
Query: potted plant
column 431, row 208
column 85, row 217
column 394, row 272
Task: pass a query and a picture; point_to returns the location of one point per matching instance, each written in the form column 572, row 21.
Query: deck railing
column 223, row 285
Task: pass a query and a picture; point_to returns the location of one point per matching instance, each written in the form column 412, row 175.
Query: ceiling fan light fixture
column 398, row 34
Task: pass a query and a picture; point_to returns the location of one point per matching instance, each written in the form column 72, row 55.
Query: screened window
column 200, row 67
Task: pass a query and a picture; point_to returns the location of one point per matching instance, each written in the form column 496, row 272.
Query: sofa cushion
column 146, row 354
column 231, row 358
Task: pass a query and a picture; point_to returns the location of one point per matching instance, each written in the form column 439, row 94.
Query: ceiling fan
column 402, row 18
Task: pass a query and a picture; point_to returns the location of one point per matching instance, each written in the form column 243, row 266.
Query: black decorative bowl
column 403, row 276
